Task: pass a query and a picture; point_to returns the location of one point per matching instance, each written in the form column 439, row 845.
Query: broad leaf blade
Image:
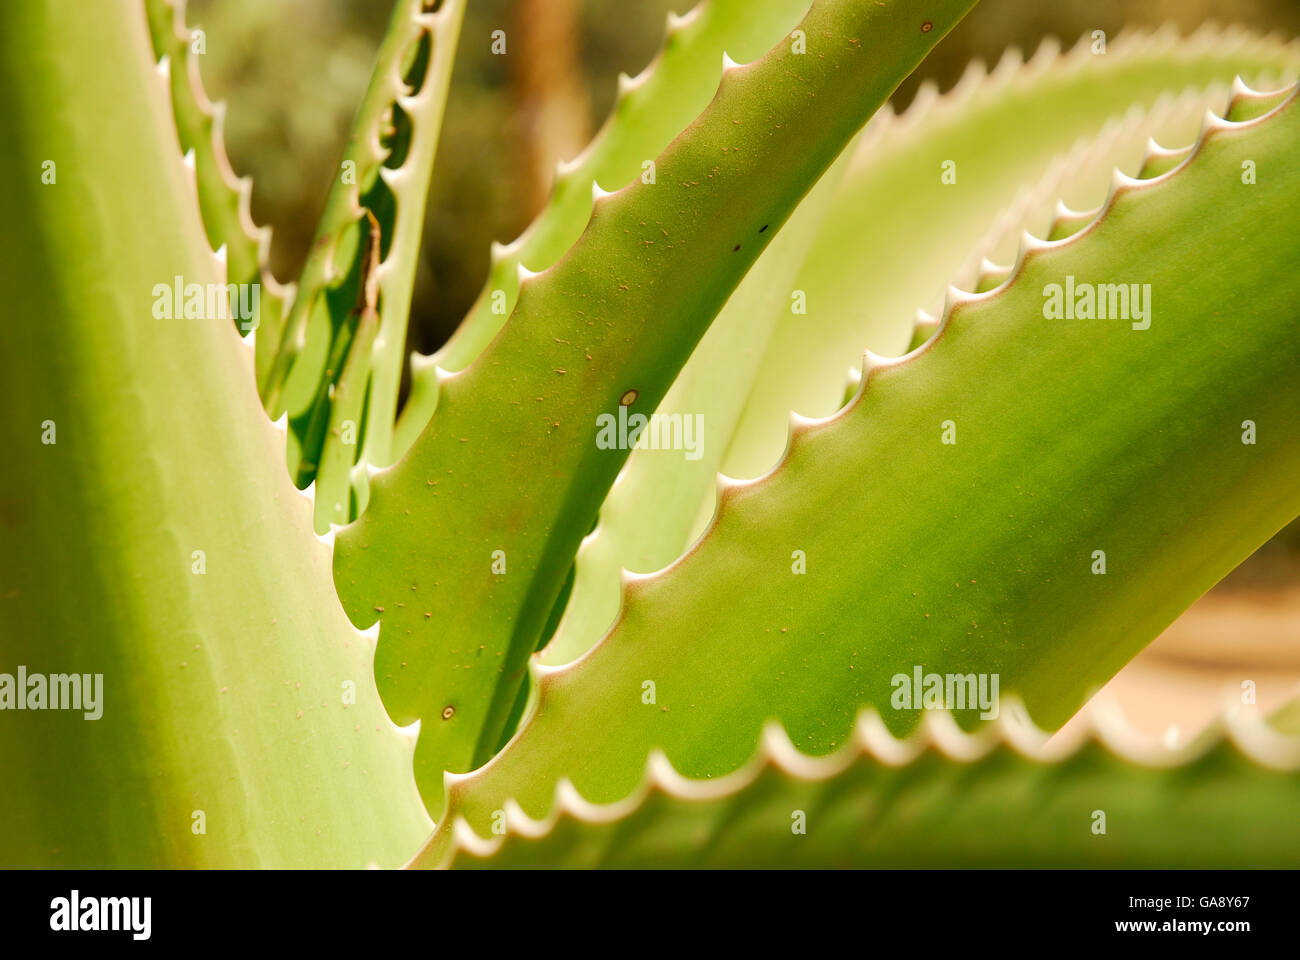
column 1127, row 434
column 823, row 306
column 608, row 327
column 157, row 541
column 999, row 134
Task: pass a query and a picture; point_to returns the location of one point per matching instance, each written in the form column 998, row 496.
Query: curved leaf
column 998, row 134
column 238, row 723
column 460, row 557
column 224, row 199
column 1054, row 538
column 650, row 111
column 941, row 799
column 812, row 300
column 384, row 175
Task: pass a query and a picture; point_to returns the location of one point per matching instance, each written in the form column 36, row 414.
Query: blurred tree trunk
column 550, row 95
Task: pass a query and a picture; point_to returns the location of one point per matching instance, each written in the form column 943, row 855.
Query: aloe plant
column 652, row 567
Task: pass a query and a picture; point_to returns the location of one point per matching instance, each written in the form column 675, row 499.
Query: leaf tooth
column 250, row 340
column 660, row 774
column 431, row 20
column 421, row 362
column 415, row 104
column 776, row 749
column 308, row 493
column 524, row 274
column 677, row 22
column 598, row 193
column 1158, row 161
column 1113, row 730
column 1246, row 104
column 464, row 839
column 445, row 376
column 927, row 96
column 872, row 738
column 221, row 264
column 454, row 783
column 191, row 172
column 501, row 252
column 567, row 800
column 991, row 276
column 728, row 64
column 564, row 170
column 410, row 733
column 629, row 579
column 1029, row 245
column 627, row 84
column 1068, row 221
column 371, row 633
column 1242, row 90
column 395, row 177
column 972, row 78
column 1013, row 59
column 799, row 423
column 955, row 297
column 1255, row 737
column 327, row 537
column 923, row 328
column 1045, row 57
column 939, row 730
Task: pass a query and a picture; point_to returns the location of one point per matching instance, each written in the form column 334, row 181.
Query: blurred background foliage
column 293, row 71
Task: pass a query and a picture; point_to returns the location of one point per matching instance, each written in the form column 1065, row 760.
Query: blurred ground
column 293, row 71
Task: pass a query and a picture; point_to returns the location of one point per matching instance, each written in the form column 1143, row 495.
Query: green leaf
column 942, row 799
column 224, row 198
column 1000, row 134
column 661, row 503
column 151, row 536
column 607, row 327
column 1071, row 437
column 385, row 174
column 650, row 515
column 651, row 110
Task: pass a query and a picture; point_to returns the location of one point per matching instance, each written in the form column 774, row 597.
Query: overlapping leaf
column 1006, row 798
column 852, row 290
column 151, row 537
column 651, row 110
column 1061, row 460
column 384, row 176
column 460, row 555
